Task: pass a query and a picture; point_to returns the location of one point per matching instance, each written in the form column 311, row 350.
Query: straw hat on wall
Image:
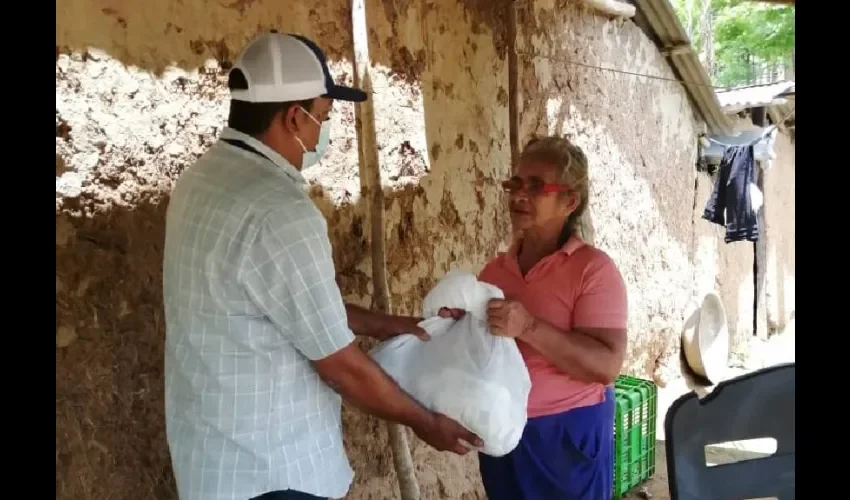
column 705, row 341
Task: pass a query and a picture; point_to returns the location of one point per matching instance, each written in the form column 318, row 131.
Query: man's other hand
column 444, row 434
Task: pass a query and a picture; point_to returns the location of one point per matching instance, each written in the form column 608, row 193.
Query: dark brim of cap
column 340, row 93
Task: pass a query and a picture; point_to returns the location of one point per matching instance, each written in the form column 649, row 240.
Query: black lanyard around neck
column 251, row 149
column 247, row 147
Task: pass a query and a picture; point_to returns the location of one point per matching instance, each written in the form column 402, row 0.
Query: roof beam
column 611, row 8
column 676, row 49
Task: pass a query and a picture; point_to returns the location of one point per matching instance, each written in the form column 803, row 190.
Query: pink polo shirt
column 577, row 286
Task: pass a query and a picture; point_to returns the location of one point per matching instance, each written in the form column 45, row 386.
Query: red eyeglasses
column 534, row 185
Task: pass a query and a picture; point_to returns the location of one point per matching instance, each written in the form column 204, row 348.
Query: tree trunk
column 790, row 66
column 371, row 190
column 794, row 62
column 707, row 36
column 751, row 69
column 689, row 21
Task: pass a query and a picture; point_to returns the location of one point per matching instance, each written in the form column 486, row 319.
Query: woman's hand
column 508, row 318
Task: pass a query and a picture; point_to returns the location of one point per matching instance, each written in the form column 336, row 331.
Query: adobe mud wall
column 780, row 231
column 140, row 94
column 723, row 268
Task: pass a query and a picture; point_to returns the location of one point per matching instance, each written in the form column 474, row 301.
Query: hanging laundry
column 756, row 197
column 731, row 201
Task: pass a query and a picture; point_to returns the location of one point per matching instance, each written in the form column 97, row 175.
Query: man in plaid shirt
column 259, row 345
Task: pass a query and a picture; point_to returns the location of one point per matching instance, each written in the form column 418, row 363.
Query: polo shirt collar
column 573, row 243
column 272, row 155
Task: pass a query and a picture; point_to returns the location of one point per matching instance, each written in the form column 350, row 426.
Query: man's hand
column 444, row 434
column 398, row 325
column 451, row 312
column 382, row 326
column 388, row 326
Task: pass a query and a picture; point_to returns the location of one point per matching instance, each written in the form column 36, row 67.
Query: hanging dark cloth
column 731, row 195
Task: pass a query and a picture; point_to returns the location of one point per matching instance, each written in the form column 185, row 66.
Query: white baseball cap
column 285, row 68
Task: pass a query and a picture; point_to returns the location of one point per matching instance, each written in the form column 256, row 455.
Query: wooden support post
column 513, row 85
column 371, row 189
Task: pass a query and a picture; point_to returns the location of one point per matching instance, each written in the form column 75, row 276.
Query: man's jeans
column 287, row 495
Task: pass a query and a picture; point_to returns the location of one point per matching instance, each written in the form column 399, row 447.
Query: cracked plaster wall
column 726, row 269
column 779, row 208
column 140, row 94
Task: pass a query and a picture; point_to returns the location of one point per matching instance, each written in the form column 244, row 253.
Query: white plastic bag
column 464, row 371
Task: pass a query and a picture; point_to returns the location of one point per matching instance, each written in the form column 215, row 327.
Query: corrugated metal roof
column 659, row 21
column 734, row 100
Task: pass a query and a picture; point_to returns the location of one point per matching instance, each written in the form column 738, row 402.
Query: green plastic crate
column 634, row 433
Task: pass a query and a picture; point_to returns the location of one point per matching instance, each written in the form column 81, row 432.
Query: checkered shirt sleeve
column 289, row 273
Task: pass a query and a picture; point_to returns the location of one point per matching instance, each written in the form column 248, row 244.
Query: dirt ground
column 778, row 349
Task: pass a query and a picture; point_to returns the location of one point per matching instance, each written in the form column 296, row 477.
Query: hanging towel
column 731, row 203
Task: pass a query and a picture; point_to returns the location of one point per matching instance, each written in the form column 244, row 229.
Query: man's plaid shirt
column 250, row 298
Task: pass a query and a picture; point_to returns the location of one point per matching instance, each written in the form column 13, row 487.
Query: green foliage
column 743, row 32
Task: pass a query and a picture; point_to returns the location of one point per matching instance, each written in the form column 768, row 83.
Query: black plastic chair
column 756, row 405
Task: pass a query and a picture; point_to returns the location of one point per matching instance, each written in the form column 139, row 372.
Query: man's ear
column 290, row 121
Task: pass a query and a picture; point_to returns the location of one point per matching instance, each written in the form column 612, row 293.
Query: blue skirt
column 566, row 456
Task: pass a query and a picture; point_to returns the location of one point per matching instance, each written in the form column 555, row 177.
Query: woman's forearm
column 582, row 355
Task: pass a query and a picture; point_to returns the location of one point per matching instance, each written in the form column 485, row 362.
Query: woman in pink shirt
column 565, row 304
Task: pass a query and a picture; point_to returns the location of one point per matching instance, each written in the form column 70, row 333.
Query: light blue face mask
column 311, row 158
